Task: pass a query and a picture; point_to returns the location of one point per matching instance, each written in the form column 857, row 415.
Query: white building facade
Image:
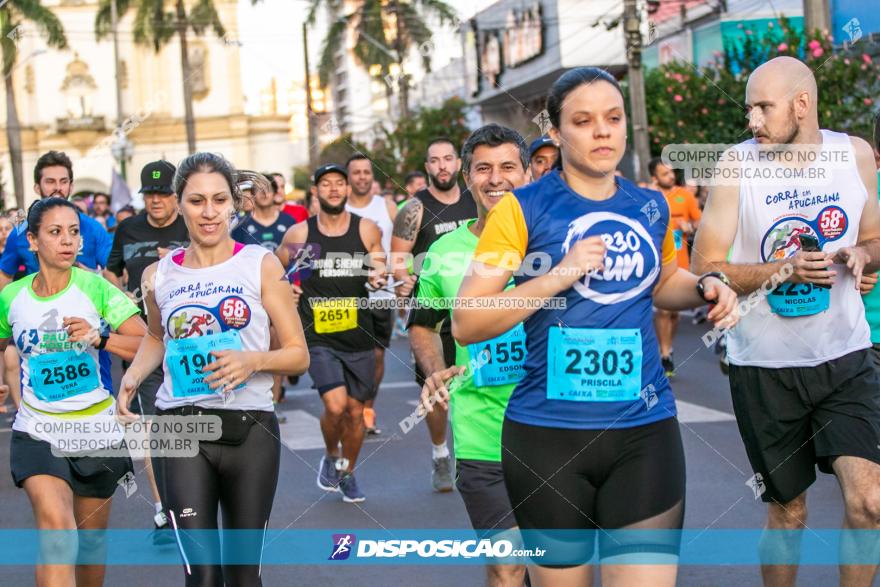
column 67, row 101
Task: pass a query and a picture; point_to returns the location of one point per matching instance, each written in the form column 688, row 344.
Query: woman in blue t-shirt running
column 590, row 439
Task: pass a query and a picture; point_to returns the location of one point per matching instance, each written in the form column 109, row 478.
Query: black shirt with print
column 136, row 245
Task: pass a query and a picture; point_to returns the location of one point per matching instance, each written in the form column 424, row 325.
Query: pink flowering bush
column 692, row 104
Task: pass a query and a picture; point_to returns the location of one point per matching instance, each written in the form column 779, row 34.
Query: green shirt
column 477, row 413
column 35, row 325
column 872, row 308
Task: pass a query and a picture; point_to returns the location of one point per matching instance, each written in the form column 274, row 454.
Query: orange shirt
column 683, row 208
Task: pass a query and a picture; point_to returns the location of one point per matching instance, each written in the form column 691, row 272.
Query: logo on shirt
column 632, row 263
column 782, row 240
column 444, row 227
column 235, row 312
column 302, row 260
column 652, row 211
column 49, row 337
column 193, row 320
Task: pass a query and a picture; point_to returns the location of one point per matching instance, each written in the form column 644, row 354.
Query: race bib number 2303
column 594, row 365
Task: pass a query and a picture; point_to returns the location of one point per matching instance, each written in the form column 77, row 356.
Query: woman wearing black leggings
column 209, row 310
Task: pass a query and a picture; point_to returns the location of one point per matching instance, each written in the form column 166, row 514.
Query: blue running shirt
column 547, row 217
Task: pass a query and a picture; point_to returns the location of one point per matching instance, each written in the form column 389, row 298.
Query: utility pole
column 816, row 15
column 633, row 38
column 310, row 113
column 114, row 23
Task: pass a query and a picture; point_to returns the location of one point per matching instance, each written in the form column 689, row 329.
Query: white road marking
column 689, row 413
column 302, row 431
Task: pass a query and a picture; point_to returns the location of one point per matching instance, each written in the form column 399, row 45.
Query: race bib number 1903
column 186, row 357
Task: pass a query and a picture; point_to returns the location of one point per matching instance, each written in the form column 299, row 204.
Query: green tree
column 688, row 104
column 340, row 150
column 155, row 26
column 384, row 33
column 13, row 15
column 300, row 178
column 402, row 149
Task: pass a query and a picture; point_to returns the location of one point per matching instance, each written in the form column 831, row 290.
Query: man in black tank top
column 328, row 258
column 430, row 214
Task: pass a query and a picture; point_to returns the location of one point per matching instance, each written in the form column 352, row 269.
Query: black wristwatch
column 103, row 342
column 717, row 274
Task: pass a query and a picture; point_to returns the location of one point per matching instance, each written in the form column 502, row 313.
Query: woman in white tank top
column 209, row 308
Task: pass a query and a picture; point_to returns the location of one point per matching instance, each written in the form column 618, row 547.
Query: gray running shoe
column 351, row 493
column 328, row 476
column 441, row 475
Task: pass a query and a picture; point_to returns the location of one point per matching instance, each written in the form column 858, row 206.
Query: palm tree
column 385, row 31
column 13, row 15
column 154, row 26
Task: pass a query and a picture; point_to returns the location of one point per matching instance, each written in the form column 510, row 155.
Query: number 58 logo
column 832, row 223
column 235, row 312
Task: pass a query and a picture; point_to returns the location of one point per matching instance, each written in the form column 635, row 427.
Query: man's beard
column 444, row 186
column 792, row 132
column 327, row 208
column 366, row 192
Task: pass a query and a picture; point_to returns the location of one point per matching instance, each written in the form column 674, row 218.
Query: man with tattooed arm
column 440, row 208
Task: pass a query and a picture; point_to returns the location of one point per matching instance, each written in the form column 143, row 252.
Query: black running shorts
column 356, row 371
column 481, row 486
column 87, row 476
column 795, row 418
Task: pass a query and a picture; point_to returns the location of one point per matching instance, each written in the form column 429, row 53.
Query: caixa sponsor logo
column 434, row 548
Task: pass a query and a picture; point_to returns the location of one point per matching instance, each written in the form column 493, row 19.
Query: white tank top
column 377, row 211
column 219, row 302
column 798, row 325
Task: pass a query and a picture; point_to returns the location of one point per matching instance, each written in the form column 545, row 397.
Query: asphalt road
column 394, row 472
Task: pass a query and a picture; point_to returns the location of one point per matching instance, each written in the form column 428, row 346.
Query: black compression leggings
column 240, row 481
column 618, row 478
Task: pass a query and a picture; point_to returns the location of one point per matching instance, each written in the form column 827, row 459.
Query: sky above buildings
column 270, row 34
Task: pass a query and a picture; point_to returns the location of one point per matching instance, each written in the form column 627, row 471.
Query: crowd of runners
column 539, row 290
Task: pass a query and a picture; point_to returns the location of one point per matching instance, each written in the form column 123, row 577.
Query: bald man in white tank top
column 802, row 224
